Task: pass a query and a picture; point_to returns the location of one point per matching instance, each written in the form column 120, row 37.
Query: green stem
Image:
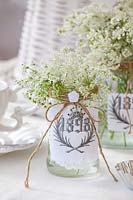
column 103, row 129
column 77, row 173
column 111, row 135
column 124, row 137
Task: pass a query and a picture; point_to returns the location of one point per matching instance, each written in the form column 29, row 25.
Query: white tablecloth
column 45, row 186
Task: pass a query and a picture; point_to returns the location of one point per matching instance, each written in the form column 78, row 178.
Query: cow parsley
column 68, row 71
column 107, row 33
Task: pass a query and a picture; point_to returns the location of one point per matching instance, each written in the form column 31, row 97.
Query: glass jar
column 114, row 131
column 73, row 146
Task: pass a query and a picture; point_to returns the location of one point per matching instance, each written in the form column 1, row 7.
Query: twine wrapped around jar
column 77, row 102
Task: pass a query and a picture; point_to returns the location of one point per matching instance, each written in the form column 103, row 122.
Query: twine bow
column 65, row 104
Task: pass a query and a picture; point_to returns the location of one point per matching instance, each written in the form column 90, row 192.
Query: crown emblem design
column 76, row 113
column 75, row 122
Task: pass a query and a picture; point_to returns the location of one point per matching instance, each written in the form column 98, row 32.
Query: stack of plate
column 24, row 138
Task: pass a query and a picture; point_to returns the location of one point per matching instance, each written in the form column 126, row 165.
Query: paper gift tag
column 72, row 140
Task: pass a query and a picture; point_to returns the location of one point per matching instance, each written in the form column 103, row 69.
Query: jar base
column 89, row 170
column 117, row 140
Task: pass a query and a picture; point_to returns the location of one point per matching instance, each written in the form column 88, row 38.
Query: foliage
column 68, row 71
column 106, row 33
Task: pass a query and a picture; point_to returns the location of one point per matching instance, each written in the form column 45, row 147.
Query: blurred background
column 28, row 31
column 11, row 21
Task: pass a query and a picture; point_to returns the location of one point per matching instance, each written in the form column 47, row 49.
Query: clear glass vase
column 115, row 140
column 89, row 169
column 117, row 129
column 73, row 146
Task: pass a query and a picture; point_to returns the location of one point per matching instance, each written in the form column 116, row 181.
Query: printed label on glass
column 72, row 139
column 120, row 112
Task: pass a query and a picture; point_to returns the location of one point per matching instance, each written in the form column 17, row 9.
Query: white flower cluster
column 108, row 34
column 105, row 37
column 68, row 71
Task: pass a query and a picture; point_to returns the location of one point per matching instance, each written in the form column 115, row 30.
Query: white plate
column 24, row 138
